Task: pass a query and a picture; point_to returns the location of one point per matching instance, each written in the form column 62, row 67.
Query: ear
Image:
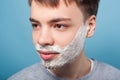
column 91, row 22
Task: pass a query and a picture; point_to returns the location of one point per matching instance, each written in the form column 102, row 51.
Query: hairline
column 67, row 3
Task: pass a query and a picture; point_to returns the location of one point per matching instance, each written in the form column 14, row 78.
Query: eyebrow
column 33, row 20
column 53, row 20
column 59, row 20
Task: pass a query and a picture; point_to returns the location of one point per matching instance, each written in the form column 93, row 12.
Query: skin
column 59, row 27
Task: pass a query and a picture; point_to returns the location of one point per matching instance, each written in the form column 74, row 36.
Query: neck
column 76, row 69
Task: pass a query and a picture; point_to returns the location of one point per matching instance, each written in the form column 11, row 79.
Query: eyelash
column 58, row 26
column 34, row 25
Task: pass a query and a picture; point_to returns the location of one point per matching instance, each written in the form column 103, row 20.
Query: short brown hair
column 89, row 7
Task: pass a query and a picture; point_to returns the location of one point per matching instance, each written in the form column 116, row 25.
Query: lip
column 47, row 55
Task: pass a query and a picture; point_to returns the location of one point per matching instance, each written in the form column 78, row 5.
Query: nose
column 45, row 37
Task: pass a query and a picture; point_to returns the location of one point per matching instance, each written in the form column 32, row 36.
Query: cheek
column 64, row 39
column 35, row 37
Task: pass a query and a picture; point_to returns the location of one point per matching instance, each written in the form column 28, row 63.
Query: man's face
column 54, row 26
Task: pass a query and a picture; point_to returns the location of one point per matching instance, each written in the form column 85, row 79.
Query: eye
column 60, row 26
column 35, row 26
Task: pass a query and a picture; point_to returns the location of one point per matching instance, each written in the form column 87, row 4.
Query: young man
column 59, row 31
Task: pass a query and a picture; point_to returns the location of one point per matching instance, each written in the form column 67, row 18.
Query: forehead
column 39, row 11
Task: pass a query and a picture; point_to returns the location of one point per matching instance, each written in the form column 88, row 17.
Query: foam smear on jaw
column 69, row 52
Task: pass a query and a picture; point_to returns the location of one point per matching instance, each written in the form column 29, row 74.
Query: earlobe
column 91, row 26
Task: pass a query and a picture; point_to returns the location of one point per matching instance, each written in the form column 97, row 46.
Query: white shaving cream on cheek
column 68, row 53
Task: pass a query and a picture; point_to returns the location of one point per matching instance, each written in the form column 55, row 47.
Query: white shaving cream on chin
column 69, row 52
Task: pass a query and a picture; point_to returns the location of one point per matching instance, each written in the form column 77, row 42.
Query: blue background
column 16, row 47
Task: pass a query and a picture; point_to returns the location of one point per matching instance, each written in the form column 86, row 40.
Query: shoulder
column 34, row 72
column 29, row 73
column 107, row 71
column 107, row 68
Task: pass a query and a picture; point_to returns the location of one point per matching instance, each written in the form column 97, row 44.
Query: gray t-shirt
column 100, row 71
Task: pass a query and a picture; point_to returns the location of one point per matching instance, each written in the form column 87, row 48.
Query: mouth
column 48, row 55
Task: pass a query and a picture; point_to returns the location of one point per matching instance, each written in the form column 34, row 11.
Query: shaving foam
column 69, row 52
